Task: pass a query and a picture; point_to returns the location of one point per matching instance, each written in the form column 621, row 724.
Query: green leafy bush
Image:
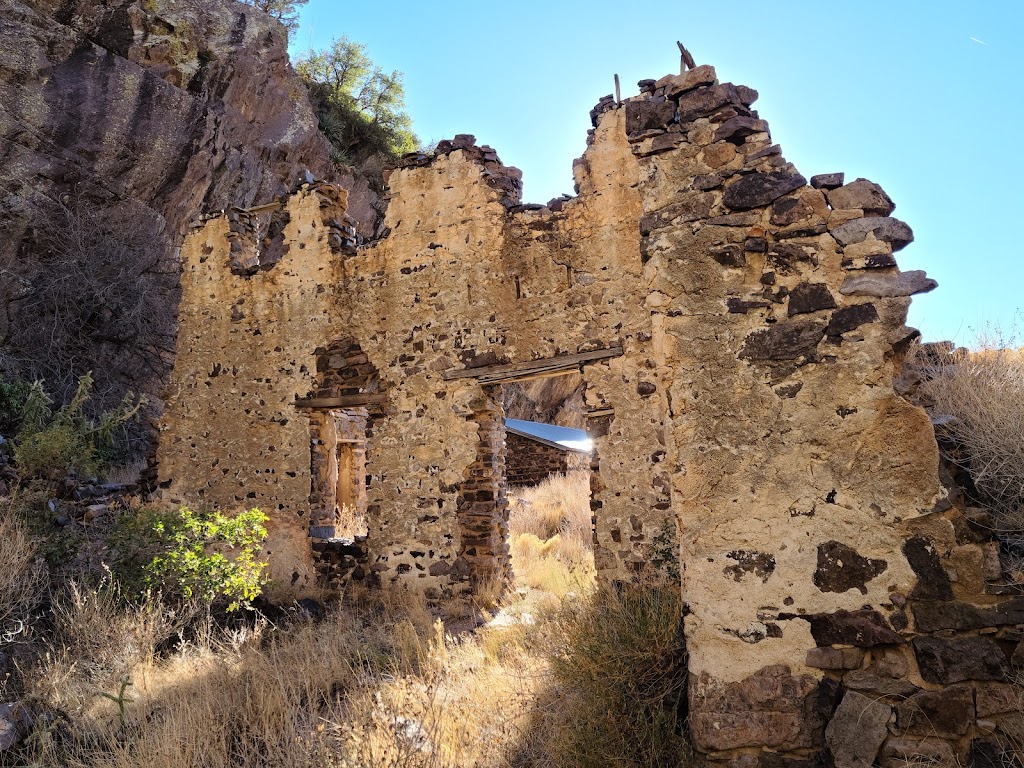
column 13, row 394
column 50, row 445
column 360, row 107
column 206, row 556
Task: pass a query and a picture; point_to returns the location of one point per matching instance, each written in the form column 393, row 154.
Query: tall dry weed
column 22, row 574
column 977, row 398
column 551, row 535
column 618, row 683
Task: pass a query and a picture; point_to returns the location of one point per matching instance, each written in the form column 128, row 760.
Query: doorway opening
column 550, row 463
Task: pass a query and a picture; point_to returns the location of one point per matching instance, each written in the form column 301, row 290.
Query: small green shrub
column 50, row 445
column 13, row 394
column 191, row 555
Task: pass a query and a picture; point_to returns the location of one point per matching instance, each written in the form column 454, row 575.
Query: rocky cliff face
column 161, row 109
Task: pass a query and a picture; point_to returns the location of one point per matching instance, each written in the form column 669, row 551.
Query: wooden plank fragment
column 346, row 401
column 531, row 368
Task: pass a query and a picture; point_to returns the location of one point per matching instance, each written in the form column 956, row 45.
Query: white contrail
column 979, row 42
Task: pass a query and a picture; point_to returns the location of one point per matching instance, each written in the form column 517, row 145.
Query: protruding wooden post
column 618, row 94
column 685, row 59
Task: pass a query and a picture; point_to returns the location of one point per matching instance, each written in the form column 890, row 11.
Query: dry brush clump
column 22, row 574
column 551, row 534
column 977, row 401
column 595, row 678
column 617, row 690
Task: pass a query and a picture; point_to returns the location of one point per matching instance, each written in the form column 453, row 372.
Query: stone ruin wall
column 529, row 462
column 841, row 600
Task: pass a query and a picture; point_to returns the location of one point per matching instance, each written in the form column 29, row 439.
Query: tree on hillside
column 361, row 108
column 285, row 11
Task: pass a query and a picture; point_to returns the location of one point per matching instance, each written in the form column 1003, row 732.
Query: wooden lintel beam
column 494, row 374
column 346, row 401
column 264, row 208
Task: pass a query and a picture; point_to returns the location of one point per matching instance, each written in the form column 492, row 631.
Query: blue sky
column 924, row 98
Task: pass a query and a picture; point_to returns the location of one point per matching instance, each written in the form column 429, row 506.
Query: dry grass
column 350, row 522
column 377, row 686
column 977, row 401
column 590, row 679
column 22, row 575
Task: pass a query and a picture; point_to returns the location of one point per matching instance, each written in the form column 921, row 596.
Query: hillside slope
column 156, row 110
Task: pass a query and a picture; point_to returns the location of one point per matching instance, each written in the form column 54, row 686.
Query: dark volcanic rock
column 847, row 319
column 841, row 568
column 944, row 662
column 757, row 189
column 703, row 101
column 892, row 231
column 888, row 286
column 647, row 115
column 932, row 580
column 810, row 297
column 784, row 341
column 827, row 180
column 945, row 613
column 863, row 194
column 862, row 629
column 948, row 713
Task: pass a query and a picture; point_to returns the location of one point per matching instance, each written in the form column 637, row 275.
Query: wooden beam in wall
column 345, row 401
column 531, row 369
column 274, row 205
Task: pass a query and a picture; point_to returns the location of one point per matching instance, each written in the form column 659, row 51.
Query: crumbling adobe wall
column 467, row 277
column 753, row 325
column 254, row 309
column 816, row 538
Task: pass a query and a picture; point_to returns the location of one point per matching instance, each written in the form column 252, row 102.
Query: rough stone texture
column 757, row 189
column 158, row 109
column 529, row 462
column 231, row 435
column 862, row 194
column 888, row 286
column 892, row 231
column 862, row 629
column 803, row 490
column 944, row 661
column 841, row 568
column 857, row 730
column 178, row 105
column 767, row 708
column 947, row 713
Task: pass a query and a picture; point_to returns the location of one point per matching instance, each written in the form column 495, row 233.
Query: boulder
column 850, row 318
column 810, row 297
column 827, row 180
column 945, row 661
column 787, row 340
column 947, row 713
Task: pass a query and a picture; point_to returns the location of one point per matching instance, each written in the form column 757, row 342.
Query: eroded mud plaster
column 738, row 330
